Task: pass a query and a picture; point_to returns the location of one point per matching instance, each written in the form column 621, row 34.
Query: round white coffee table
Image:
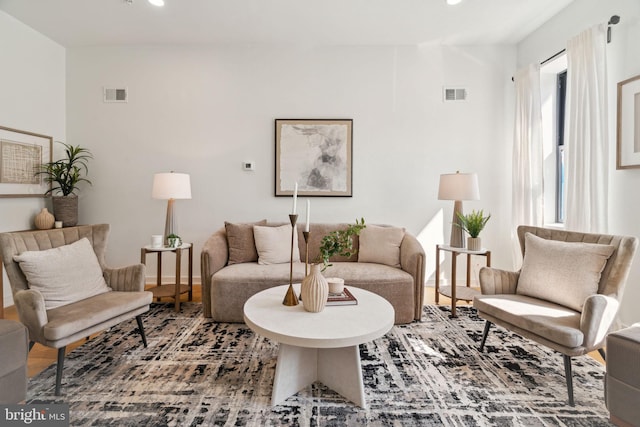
column 318, row 346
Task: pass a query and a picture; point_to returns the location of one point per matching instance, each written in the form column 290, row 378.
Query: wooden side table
column 457, row 292
column 176, row 289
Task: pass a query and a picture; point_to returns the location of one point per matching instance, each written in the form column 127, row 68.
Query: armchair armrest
column 495, row 281
column 126, row 279
column 32, row 312
column 214, row 256
column 412, row 260
column 598, row 314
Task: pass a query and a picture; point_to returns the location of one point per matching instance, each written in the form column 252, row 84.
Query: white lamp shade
column 459, row 186
column 171, row 185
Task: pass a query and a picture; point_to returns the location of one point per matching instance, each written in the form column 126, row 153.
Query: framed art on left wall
column 22, row 154
column 628, row 132
column 316, row 154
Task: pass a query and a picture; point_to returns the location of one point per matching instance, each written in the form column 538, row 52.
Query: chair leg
column 59, row 367
column 487, row 325
column 602, row 353
column 31, row 344
column 141, row 330
column 569, row 378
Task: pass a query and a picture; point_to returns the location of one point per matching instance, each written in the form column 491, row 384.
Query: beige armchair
column 566, row 295
column 122, row 298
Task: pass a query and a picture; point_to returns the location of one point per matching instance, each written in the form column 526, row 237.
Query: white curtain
column 527, row 170
column 586, row 139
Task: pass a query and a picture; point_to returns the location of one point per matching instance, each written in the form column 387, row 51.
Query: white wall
column 32, row 84
column 204, row 110
column 623, row 62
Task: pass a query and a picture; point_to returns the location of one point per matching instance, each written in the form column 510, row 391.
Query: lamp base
column 457, row 234
column 170, row 222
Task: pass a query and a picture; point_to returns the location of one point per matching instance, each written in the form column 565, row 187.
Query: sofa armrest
column 495, row 281
column 126, row 279
column 598, row 314
column 32, row 312
column 214, row 256
column 412, row 260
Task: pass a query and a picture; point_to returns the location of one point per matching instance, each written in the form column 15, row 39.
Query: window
column 561, row 97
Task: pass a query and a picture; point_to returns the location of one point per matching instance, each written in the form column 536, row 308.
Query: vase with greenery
column 64, row 175
column 473, row 223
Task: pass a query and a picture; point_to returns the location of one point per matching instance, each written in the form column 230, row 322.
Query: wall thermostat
column 248, row 166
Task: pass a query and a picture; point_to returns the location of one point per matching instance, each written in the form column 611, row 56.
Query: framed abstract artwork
column 628, row 129
column 22, row 154
column 316, row 154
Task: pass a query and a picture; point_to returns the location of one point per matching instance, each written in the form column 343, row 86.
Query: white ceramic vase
column 314, row 290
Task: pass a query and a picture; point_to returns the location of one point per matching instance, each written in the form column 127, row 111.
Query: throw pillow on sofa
column 563, row 272
column 242, row 245
column 381, row 245
column 274, row 244
column 64, row 274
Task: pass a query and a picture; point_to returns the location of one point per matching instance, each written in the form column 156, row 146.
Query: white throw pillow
column 381, row 245
column 565, row 273
column 64, row 274
column 274, row 244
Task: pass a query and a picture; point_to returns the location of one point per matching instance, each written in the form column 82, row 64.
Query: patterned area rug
column 197, row 372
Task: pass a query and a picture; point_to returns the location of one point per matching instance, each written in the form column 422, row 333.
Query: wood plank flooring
column 41, row 357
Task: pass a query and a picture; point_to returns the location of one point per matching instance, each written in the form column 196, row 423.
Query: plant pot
column 336, row 285
column 65, row 209
column 474, row 244
column 44, row 220
column 314, row 290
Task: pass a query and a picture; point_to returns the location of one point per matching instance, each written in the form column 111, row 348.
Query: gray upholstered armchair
column 566, row 295
column 84, row 297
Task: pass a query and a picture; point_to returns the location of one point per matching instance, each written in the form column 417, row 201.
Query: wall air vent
column 454, row 94
column 112, row 94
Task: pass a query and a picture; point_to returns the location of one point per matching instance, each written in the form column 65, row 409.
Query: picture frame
column 22, row 154
column 317, row 154
column 628, row 125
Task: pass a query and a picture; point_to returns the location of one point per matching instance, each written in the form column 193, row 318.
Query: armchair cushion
column 274, row 244
column 381, row 245
column 565, row 273
column 65, row 274
column 242, row 245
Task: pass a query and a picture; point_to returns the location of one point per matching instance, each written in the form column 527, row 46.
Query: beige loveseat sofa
column 226, row 285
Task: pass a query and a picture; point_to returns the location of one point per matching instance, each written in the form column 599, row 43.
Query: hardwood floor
column 40, row 357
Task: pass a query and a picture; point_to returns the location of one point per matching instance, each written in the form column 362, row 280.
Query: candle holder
column 306, row 252
column 290, row 298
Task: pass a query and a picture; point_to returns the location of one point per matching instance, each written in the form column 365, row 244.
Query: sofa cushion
column 565, row 273
column 381, row 245
column 274, row 244
column 242, row 246
column 64, row 274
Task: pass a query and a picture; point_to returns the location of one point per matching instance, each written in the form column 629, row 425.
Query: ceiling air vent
column 115, row 94
column 454, row 94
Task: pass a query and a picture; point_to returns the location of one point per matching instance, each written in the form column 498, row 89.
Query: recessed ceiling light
column 453, row 2
column 160, row 3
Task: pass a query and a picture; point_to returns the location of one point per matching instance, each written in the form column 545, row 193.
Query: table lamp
column 458, row 187
column 171, row 186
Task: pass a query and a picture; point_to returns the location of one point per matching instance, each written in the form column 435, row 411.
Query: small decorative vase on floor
column 44, row 220
column 65, row 209
column 315, row 290
column 474, row 244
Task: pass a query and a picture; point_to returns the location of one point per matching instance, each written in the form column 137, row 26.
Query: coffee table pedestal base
column 337, row 368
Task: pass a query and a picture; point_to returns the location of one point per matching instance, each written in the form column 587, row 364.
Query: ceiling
column 74, row 23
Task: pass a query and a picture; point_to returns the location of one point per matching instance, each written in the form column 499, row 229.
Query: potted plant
column 64, row 175
column 473, row 224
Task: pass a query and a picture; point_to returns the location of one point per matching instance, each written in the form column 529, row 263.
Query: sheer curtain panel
column 527, row 171
column 586, row 132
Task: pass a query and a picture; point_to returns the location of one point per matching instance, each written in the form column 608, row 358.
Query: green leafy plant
column 339, row 242
column 473, row 223
column 66, row 173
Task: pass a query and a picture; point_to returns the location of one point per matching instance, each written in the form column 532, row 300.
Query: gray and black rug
column 197, row 372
